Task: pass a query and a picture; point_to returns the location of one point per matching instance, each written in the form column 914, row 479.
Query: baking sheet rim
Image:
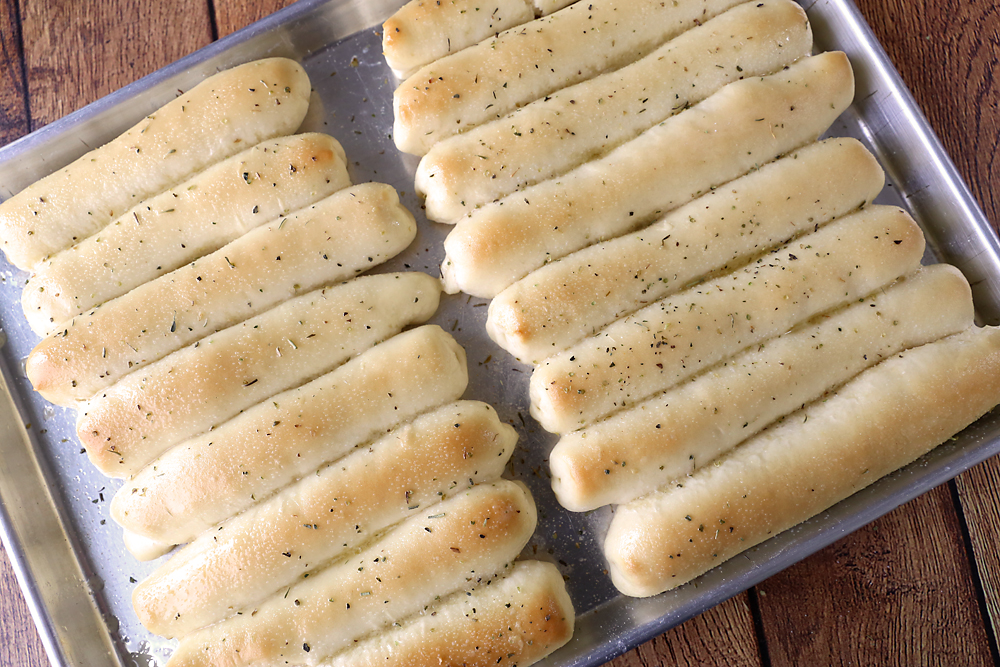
column 828, row 530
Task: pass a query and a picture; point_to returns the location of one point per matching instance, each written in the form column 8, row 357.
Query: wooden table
column 917, row 587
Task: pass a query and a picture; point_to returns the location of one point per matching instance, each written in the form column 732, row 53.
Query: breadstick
column 330, row 241
column 671, row 340
column 572, row 298
column 422, row 31
column 490, row 79
column 667, row 437
column 447, row 548
column 550, row 136
column 885, row 418
column 175, row 227
column 144, row 549
column 194, row 389
column 515, row 621
column 544, row 7
column 746, row 124
column 219, row 117
column 323, row 516
column 213, row 476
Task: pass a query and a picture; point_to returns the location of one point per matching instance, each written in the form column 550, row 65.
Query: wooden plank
column 898, row 592
column 721, row 637
column 13, row 96
column 979, row 491
column 19, row 642
column 78, row 52
column 947, row 52
column 231, row 15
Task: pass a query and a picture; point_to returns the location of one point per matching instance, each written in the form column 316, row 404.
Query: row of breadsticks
column 335, row 510
column 424, row 30
column 268, row 408
column 728, row 336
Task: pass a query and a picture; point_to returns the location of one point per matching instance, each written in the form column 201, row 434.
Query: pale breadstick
column 194, row 389
column 514, row 621
column 887, row 417
column 219, row 117
column 490, row 79
column 187, row 221
column 144, row 549
column 324, row 515
column 332, row 240
column 213, row 476
column 422, row 31
column 746, row 124
column 450, row 547
column 671, row 340
column 544, row 7
column 574, row 297
column 667, row 437
column 548, row 137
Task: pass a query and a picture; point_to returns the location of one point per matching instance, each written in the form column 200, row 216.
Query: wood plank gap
column 19, row 38
column 974, row 567
column 213, row 22
column 758, row 627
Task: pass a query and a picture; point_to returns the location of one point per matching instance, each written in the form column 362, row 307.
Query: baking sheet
column 69, row 555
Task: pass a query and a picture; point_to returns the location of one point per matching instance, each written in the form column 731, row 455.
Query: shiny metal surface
column 53, row 506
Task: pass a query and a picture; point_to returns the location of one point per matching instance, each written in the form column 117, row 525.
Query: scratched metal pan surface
column 68, row 554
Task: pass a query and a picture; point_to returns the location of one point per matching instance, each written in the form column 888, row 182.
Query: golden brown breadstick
column 175, row 227
column 513, row 621
column 520, row 65
column 213, row 476
column 451, row 547
column 671, row 340
column 330, row 241
column 199, row 387
column 439, row 454
column 887, row 417
column 564, row 301
column 668, row 436
column 746, row 124
column 422, row 31
column 219, row 117
column 551, row 136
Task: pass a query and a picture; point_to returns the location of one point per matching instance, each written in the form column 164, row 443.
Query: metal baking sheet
column 68, row 554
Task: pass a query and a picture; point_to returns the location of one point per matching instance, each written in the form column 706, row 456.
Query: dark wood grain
column 721, row 637
column 876, row 597
column 19, row 643
column 231, row 15
column 14, row 121
column 947, row 52
column 979, row 491
column 897, row 593
column 77, row 52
